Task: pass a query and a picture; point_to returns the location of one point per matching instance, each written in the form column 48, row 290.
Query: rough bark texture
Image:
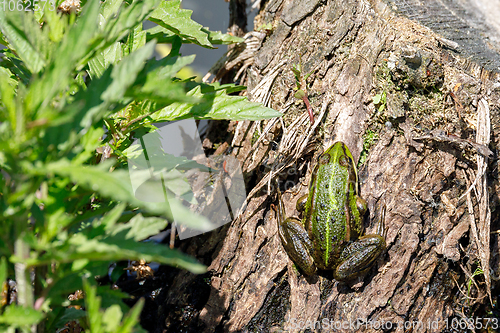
column 420, row 150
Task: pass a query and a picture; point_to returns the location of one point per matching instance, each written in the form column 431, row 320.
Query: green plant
column 301, row 89
column 70, row 87
column 369, row 139
column 380, row 100
column 477, row 272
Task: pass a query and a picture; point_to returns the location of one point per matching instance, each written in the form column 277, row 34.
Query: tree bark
column 425, row 145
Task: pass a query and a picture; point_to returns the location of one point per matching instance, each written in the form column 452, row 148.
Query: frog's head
column 338, row 154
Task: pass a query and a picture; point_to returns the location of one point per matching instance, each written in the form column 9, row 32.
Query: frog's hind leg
column 358, row 256
column 297, row 243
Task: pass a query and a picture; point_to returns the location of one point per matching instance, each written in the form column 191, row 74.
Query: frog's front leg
column 358, row 256
column 295, row 240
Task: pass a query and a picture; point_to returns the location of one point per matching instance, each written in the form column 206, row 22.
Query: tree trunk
column 421, row 115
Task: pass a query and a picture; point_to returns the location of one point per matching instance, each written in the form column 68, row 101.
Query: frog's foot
column 297, row 244
column 358, row 256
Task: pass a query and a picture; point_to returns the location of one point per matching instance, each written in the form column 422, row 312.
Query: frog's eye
column 324, row 159
column 344, row 161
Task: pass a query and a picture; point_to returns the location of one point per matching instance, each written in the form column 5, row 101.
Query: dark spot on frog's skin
column 332, row 219
column 323, row 205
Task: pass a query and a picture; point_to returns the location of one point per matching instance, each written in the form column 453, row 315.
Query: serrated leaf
column 155, row 82
column 116, row 185
column 159, row 161
column 140, row 227
column 25, row 37
column 113, row 248
column 95, row 102
column 136, row 39
column 217, row 37
column 164, row 35
column 128, row 18
column 100, row 62
column 216, row 105
column 72, row 49
column 55, row 23
column 170, row 16
column 126, row 71
column 110, row 7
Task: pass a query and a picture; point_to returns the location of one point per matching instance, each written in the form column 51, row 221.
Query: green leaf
column 116, row 185
column 109, row 220
column 172, row 65
column 126, row 71
column 25, row 37
column 140, row 227
column 112, row 318
column 376, row 99
column 300, row 94
column 20, row 316
column 164, row 35
column 158, row 161
column 92, row 104
column 91, row 245
column 110, row 7
column 155, row 82
column 98, row 64
column 55, row 23
column 7, row 96
column 217, row 37
column 170, row 16
column 132, row 318
column 216, row 86
column 128, row 19
column 136, row 39
column 217, row 105
column 72, row 49
column 3, row 272
column 92, row 304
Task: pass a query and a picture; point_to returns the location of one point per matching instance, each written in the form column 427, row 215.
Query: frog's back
column 328, row 227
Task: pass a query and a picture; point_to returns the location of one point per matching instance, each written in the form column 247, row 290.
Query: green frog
column 330, row 236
